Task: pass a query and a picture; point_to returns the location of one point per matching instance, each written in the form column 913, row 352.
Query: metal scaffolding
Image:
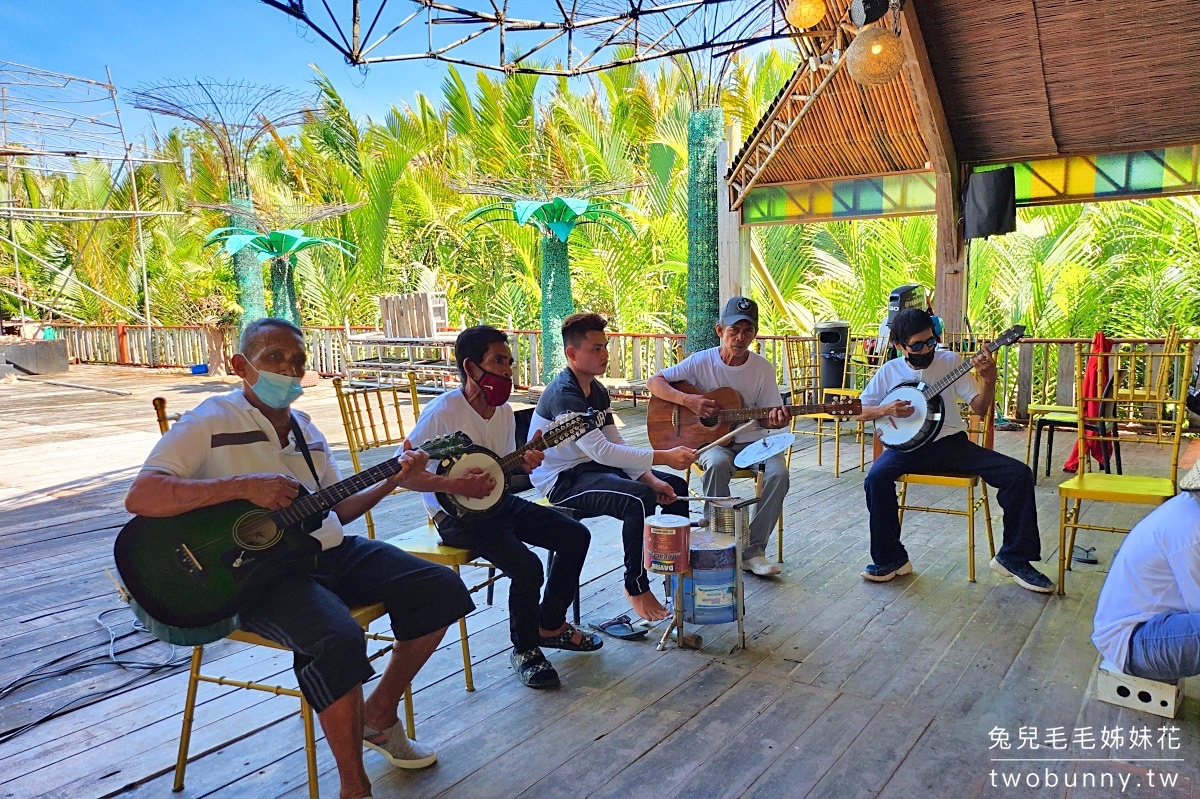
column 573, row 37
column 48, row 122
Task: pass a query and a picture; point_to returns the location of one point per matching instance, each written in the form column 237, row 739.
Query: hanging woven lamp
column 875, row 56
column 804, row 14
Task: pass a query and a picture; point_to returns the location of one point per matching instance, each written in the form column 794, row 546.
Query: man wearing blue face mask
column 479, row 408
column 250, row 444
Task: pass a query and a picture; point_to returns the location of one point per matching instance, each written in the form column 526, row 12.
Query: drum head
column 478, row 460
column 892, row 429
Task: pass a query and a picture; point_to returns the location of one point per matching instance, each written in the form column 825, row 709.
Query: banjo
column 568, row 428
column 928, row 414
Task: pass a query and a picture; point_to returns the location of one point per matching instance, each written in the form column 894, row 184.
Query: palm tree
column 554, row 219
column 280, row 248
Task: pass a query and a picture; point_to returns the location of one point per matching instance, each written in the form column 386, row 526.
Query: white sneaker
column 398, row 748
column 761, row 566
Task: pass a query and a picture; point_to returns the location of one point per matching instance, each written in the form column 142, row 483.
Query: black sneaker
column 887, row 573
column 1023, row 575
column 533, row 668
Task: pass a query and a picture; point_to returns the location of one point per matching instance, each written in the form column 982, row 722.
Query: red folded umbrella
column 1095, row 375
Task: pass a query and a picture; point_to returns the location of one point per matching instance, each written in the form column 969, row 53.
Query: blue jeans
column 954, row 454
column 501, row 538
column 598, row 490
column 1166, row 648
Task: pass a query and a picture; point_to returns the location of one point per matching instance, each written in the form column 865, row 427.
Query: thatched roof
column 1018, row 80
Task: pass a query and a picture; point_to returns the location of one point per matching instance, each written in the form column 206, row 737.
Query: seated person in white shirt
column 599, row 474
column 241, row 445
column 951, row 451
column 732, row 364
column 479, row 408
column 1148, row 615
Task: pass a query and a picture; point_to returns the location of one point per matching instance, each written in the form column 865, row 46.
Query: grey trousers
column 719, row 469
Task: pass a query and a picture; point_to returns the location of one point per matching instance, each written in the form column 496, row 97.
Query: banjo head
column 899, row 433
column 475, row 458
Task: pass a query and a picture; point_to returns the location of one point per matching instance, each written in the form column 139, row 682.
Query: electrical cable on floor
column 44, row 671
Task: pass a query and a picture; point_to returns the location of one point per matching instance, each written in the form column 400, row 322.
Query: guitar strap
column 302, row 445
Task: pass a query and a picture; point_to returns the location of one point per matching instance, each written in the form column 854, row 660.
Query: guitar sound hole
column 256, row 531
column 710, row 421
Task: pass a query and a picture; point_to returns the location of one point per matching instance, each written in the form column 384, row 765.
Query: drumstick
column 726, row 437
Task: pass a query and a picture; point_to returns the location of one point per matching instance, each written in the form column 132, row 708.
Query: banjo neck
column 933, row 389
column 512, row 462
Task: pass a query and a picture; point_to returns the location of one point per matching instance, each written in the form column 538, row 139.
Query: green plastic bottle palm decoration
column 706, row 129
column 555, row 219
column 280, row 248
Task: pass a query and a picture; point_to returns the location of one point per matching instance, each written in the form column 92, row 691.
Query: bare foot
column 647, row 606
column 356, row 789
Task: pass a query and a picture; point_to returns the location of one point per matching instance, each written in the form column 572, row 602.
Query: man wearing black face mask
column 951, row 451
column 480, row 409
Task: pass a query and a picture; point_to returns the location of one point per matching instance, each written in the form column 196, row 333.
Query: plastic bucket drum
column 665, row 543
column 708, row 594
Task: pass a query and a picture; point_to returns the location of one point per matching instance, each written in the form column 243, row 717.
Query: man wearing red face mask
column 479, row 408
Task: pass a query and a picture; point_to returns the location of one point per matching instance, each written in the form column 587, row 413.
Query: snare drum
column 665, row 543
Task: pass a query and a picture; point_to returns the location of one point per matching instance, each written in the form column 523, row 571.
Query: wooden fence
column 1038, row 370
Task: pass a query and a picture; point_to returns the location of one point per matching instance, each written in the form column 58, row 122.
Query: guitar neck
column 746, row 414
column 950, row 379
column 326, row 498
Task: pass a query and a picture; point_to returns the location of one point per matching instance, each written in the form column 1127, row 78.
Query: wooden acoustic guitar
column 670, row 425
column 189, row 576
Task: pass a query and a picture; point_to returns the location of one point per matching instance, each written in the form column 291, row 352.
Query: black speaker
column 864, row 12
column 990, row 203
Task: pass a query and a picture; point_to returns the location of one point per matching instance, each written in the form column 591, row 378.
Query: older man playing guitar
column 733, row 365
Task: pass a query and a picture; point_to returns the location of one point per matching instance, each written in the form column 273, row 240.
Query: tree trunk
column 247, row 271
column 283, row 289
column 557, row 304
column 705, row 131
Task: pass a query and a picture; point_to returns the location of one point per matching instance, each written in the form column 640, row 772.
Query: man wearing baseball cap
column 734, row 365
column 1148, row 615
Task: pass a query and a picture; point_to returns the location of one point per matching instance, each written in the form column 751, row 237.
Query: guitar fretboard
column 746, row 414
column 326, row 498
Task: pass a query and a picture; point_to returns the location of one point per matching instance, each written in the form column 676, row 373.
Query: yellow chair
column 982, row 430
column 804, row 387
column 1130, row 489
column 364, row 615
column 1156, row 370
column 373, row 420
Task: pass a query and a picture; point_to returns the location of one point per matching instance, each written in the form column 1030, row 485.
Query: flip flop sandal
column 620, row 627
column 1084, row 555
column 566, row 640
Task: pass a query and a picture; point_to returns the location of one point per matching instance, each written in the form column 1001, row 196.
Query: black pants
column 501, row 537
column 608, row 491
column 955, row 454
column 309, row 613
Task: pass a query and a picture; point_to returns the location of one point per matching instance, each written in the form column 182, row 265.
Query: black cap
column 739, row 308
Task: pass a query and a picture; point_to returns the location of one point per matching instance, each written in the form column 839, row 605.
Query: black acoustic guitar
column 189, row 576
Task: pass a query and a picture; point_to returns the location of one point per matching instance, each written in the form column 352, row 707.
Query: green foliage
column 1130, row 268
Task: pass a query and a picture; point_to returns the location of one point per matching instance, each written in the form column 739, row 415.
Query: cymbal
column 764, row 448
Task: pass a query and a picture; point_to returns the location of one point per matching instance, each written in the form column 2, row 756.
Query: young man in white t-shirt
column 732, row 364
column 951, row 451
column 1148, row 614
column 479, row 408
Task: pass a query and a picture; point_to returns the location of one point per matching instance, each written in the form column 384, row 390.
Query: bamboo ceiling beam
column 949, row 284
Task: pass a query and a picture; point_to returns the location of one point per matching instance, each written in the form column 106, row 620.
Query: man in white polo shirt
column 249, row 444
column 1148, row 615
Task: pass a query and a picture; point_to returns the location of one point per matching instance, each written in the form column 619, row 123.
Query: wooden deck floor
column 846, row 689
